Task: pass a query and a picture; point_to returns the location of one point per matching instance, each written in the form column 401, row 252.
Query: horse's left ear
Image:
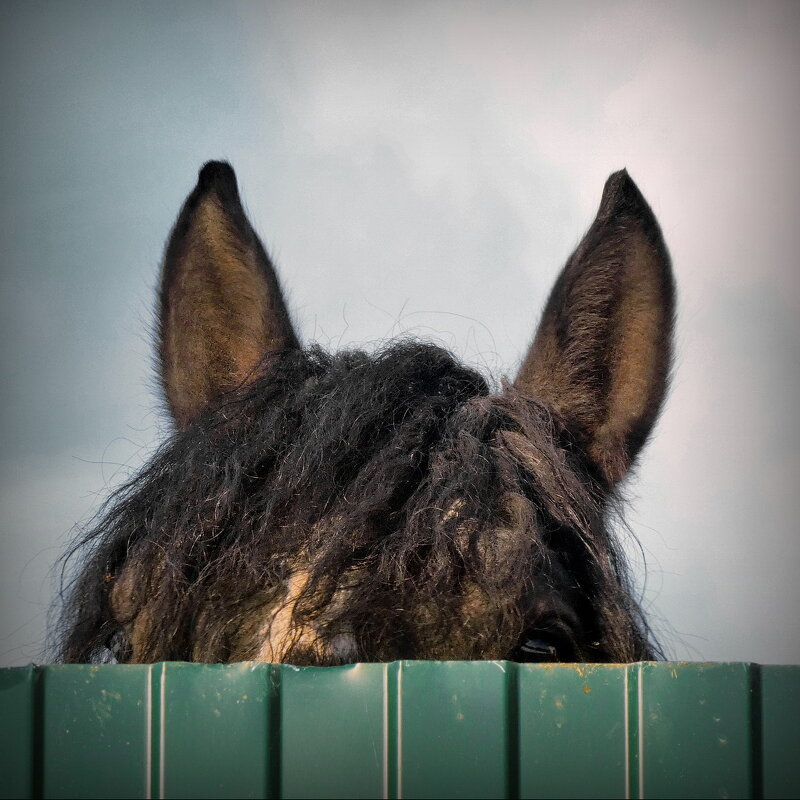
column 602, row 354
column 221, row 307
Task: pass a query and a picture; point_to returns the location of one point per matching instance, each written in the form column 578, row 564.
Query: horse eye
column 536, row 650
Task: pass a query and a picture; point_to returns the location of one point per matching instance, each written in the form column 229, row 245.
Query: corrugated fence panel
column 407, row 729
column 695, row 733
column 17, row 723
column 452, row 727
column 94, row 732
column 333, row 731
column 780, row 722
column 213, row 730
column 573, row 731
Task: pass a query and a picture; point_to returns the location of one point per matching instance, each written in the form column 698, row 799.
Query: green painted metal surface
column 452, row 736
column 333, row 732
column 574, row 731
column 18, row 719
column 780, row 731
column 92, row 732
column 406, row 729
column 213, row 730
column 695, row 736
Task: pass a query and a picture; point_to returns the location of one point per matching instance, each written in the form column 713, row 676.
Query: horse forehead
column 278, row 631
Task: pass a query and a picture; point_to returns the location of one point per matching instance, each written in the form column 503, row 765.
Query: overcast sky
column 421, row 168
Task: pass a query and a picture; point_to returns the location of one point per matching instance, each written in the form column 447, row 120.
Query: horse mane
column 407, row 507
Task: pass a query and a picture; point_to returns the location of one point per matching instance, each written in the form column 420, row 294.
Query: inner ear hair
column 221, row 305
column 601, row 356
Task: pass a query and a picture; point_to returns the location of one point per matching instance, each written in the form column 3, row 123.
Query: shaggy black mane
column 427, row 516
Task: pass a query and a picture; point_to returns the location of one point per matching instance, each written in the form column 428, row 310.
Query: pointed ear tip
column 618, row 183
column 217, row 174
column 621, row 192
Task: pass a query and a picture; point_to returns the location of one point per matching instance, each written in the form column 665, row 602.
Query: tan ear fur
column 221, row 308
column 602, row 354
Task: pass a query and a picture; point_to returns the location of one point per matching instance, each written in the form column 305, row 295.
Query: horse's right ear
column 221, row 308
column 601, row 357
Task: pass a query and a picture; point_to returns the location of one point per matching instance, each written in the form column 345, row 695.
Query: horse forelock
column 356, row 507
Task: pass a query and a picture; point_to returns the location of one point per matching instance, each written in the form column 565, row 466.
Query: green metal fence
column 406, row 729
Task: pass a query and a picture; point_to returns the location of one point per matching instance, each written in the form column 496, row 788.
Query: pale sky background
column 421, row 168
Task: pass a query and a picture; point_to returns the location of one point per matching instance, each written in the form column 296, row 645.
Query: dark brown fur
column 319, row 509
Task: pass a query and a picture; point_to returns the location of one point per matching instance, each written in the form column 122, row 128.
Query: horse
column 320, row 508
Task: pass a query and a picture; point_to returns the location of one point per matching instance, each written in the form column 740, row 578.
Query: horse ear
column 221, row 308
column 602, row 354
